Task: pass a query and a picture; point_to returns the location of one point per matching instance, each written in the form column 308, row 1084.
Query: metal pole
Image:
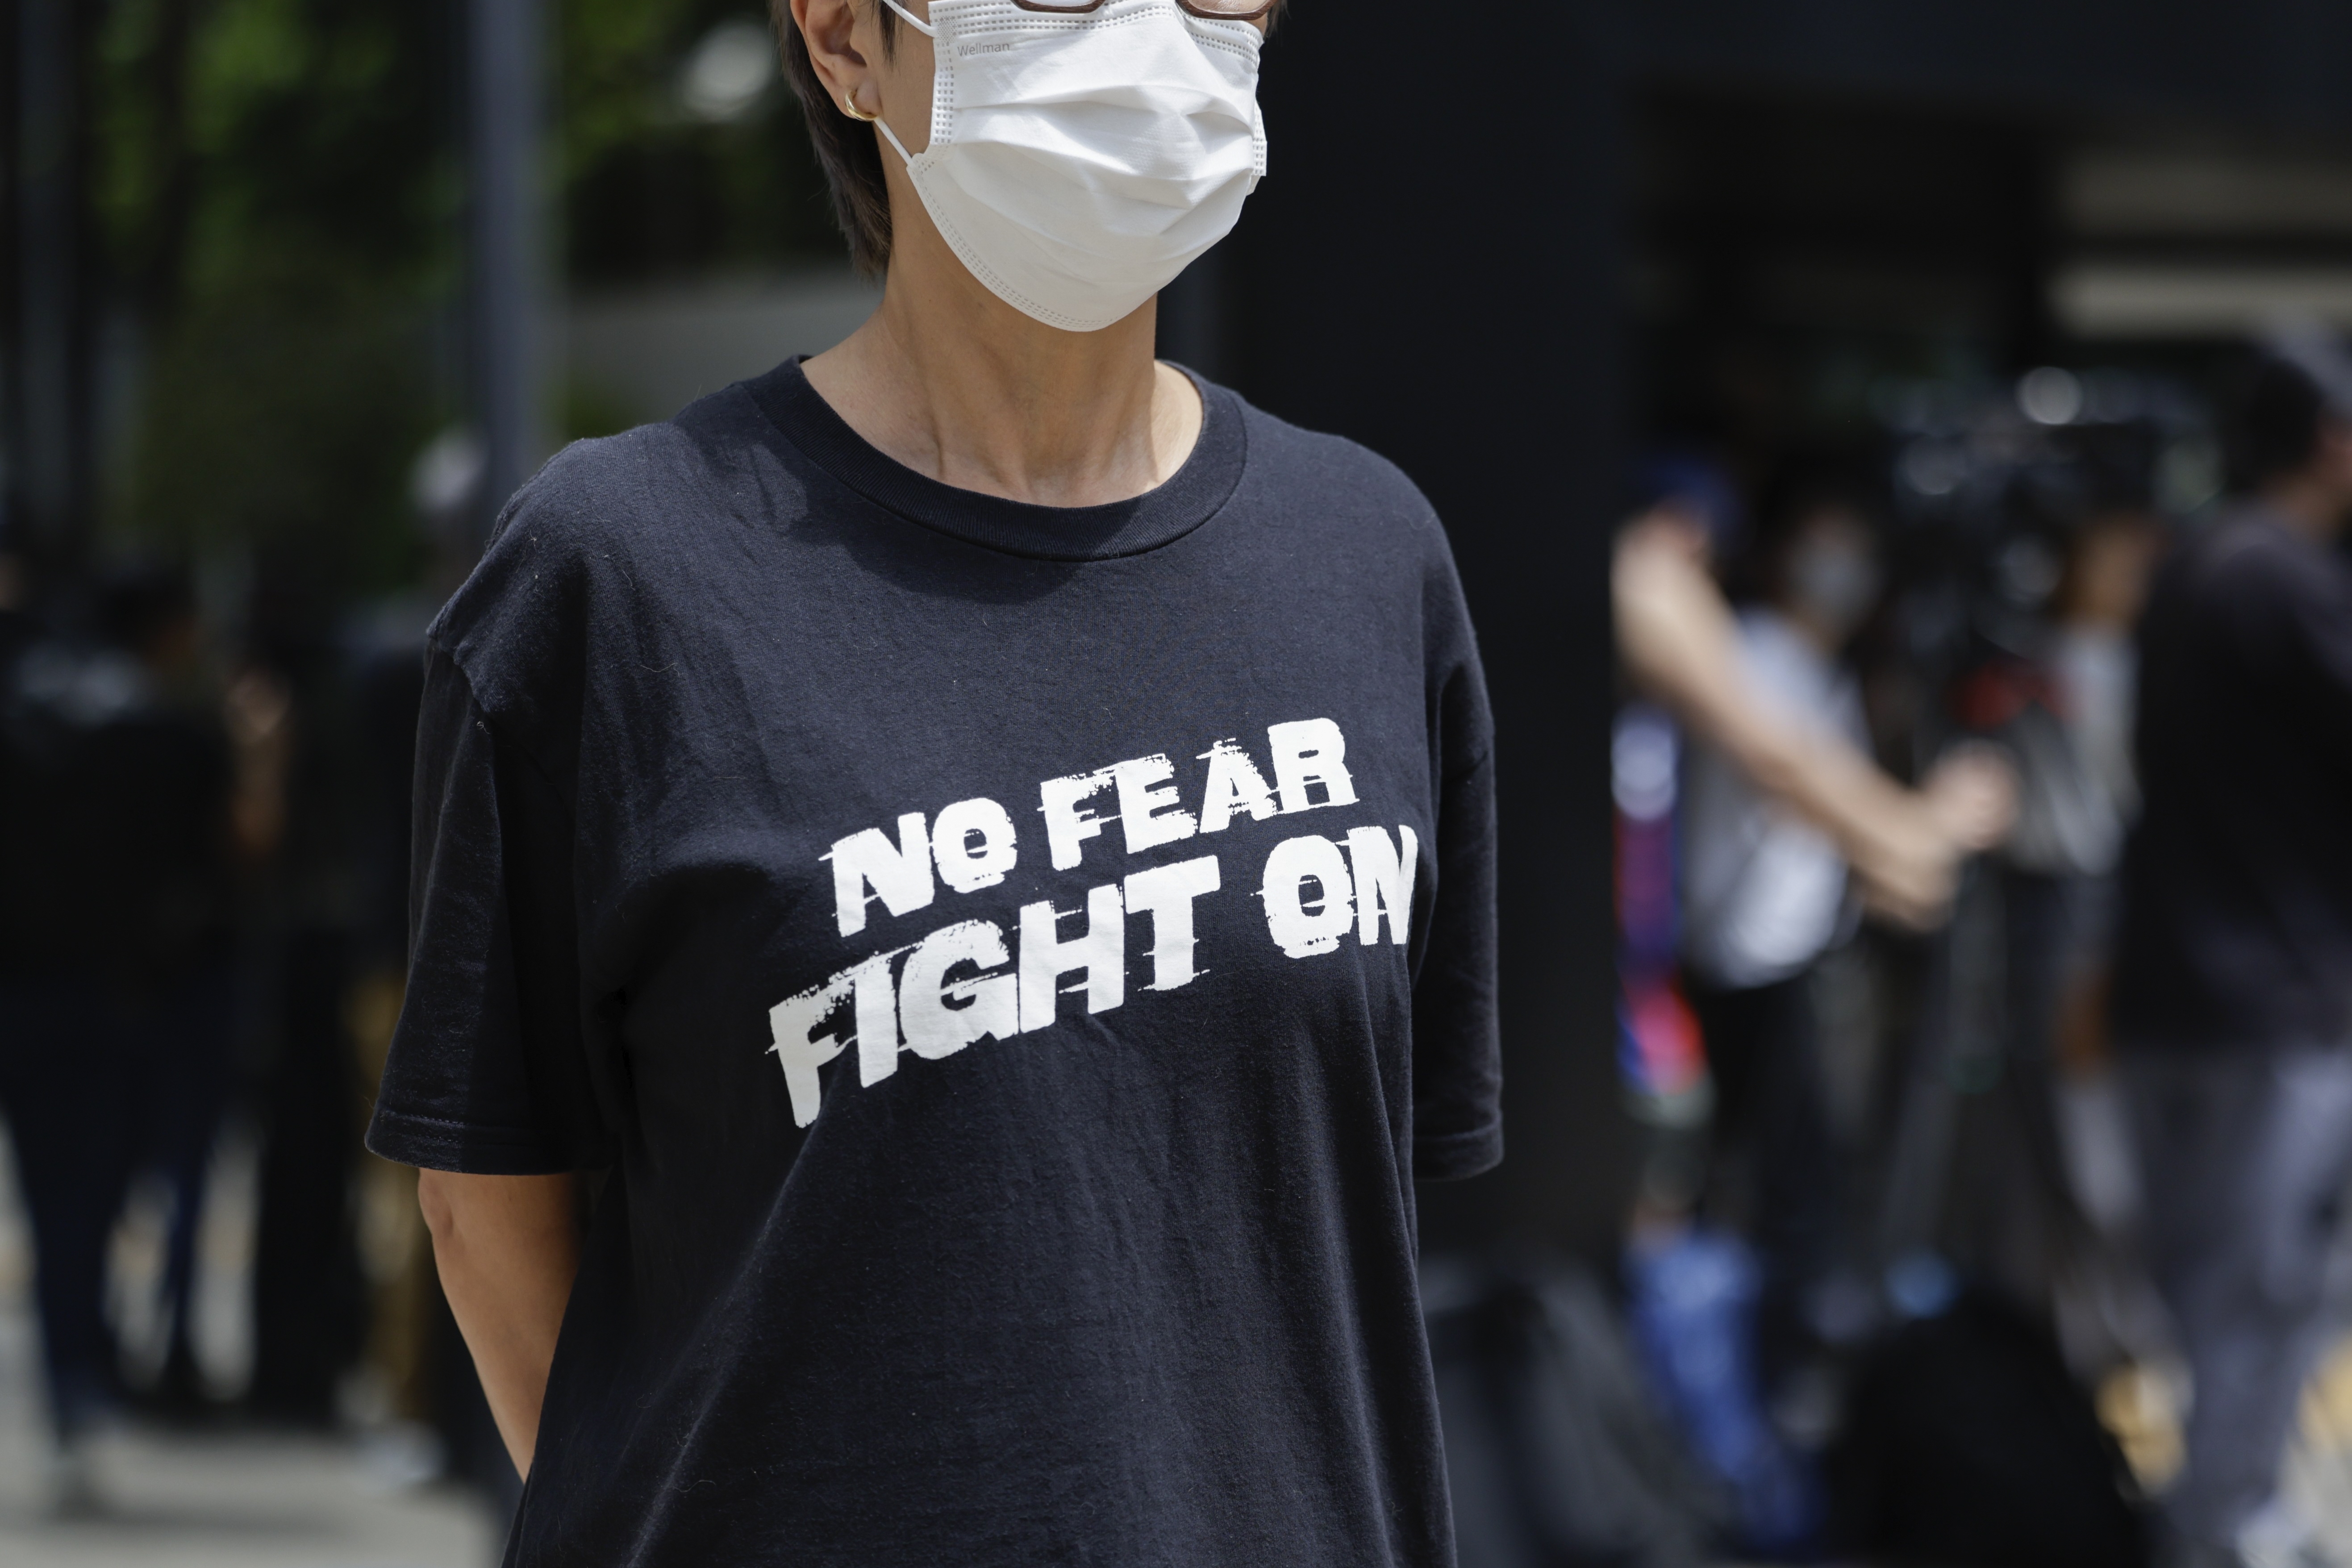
column 505, row 242
column 49, row 420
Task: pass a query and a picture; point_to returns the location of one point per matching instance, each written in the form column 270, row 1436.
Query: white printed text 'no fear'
column 966, row 983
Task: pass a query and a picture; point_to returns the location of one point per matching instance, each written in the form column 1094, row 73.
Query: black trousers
column 65, row 1071
column 1776, row 1172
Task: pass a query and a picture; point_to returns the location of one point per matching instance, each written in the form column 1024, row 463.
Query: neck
column 1811, row 630
column 2308, row 505
column 953, row 383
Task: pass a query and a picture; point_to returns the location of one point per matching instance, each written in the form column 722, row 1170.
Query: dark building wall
column 1431, row 268
column 2274, row 62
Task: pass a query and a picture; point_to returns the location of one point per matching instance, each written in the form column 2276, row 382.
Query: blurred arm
column 1680, row 644
column 508, row 1247
column 258, row 709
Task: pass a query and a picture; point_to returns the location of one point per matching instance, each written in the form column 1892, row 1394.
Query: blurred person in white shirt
column 1780, row 801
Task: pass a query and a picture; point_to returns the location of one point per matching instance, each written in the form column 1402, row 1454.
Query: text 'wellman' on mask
column 966, row 983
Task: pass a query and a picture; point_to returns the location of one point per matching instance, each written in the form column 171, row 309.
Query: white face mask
column 1077, row 163
column 1835, row 582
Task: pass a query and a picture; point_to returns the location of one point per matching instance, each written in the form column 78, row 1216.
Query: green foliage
column 320, row 126
column 277, row 187
column 589, row 412
column 309, row 128
column 280, row 424
column 140, row 156
column 650, row 190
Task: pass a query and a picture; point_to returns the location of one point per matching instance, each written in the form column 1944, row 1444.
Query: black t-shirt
column 2237, row 882
column 1012, row 962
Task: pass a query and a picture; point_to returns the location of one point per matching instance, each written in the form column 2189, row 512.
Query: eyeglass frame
column 1190, row 7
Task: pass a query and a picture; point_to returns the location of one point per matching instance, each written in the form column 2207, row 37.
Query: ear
column 2332, row 454
column 829, row 27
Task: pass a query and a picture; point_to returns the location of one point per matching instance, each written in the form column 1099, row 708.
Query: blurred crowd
column 204, row 826
column 1963, row 1234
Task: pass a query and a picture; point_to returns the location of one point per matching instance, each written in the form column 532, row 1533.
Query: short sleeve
column 487, row 1071
column 2322, row 627
column 1457, row 1074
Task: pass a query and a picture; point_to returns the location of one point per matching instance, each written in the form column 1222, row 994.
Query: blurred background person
column 2233, row 986
column 185, row 793
column 1765, row 896
column 2094, row 668
column 1680, row 640
column 2063, row 891
column 63, row 1059
column 130, row 808
column 1778, row 799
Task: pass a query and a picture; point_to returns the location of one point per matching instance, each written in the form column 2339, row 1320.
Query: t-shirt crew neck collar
column 1190, row 497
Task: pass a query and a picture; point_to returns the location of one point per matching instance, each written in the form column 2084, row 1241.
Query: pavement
column 213, row 1499
column 240, row 1502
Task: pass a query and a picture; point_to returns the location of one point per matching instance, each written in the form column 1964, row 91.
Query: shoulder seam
column 1456, row 775
column 501, row 735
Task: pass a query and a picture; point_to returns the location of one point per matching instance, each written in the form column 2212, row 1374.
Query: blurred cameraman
column 2233, row 986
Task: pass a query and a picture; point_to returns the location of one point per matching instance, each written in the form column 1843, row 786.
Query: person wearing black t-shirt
column 970, row 860
column 2232, row 1002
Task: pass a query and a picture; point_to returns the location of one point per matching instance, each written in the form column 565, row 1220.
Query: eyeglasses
column 1214, row 10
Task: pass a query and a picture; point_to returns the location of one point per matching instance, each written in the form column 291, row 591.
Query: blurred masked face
column 1830, row 577
column 2106, row 578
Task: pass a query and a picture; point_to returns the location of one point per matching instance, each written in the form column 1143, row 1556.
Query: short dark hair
column 1799, row 488
column 847, row 150
column 2280, row 414
column 138, row 602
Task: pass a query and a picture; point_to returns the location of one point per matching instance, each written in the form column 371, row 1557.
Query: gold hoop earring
column 849, row 107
